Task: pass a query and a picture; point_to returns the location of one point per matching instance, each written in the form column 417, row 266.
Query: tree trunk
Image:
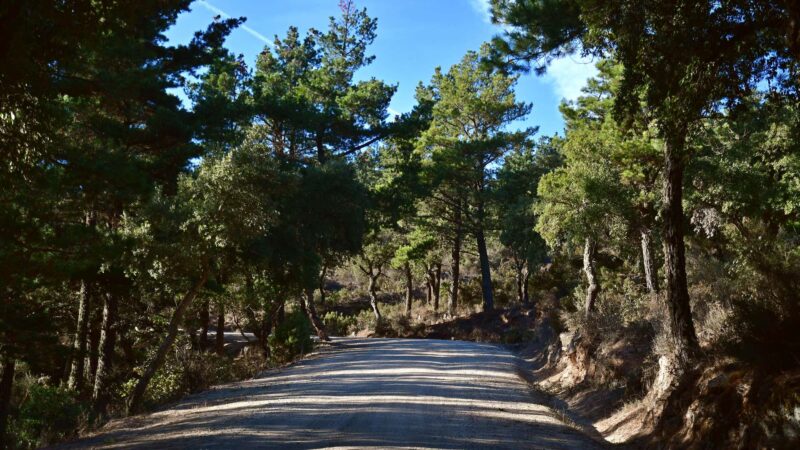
column 219, row 337
column 108, row 338
column 455, row 267
column 205, row 317
column 96, row 323
column 6, row 385
column 592, row 287
column 76, row 375
column 437, row 286
column 321, row 156
column 526, row 275
column 681, row 327
column 429, row 285
column 311, row 311
column 486, row 274
column 137, row 395
column 321, row 286
column 280, row 317
column 267, row 324
column 518, row 277
column 373, row 297
column 650, row 274
column 409, row 287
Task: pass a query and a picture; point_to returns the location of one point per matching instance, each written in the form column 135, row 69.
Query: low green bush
column 46, row 415
column 291, row 338
column 339, row 324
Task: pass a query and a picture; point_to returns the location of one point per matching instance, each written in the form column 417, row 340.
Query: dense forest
column 282, row 201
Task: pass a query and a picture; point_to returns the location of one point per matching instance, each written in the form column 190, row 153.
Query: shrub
column 365, row 320
column 187, row 371
column 291, row 338
column 47, row 414
column 339, row 324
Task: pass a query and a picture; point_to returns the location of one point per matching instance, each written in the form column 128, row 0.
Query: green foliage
column 365, row 320
column 47, row 415
column 339, row 324
column 291, row 338
column 187, row 371
column 304, row 88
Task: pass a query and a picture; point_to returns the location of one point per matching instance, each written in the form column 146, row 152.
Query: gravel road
column 361, row 393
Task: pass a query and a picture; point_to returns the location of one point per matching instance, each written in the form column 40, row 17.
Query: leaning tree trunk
column 311, row 311
column 409, row 287
column 137, row 395
column 648, row 261
column 437, row 284
column 681, row 328
column 108, row 338
column 592, row 288
column 219, row 337
column 373, row 297
column 6, row 385
column 75, row 381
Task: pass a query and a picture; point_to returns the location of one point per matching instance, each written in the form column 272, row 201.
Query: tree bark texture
column 311, row 310
column 681, row 327
column 76, row 373
column 518, row 277
column 219, row 337
column 205, row 317
column 592, row 287
column 486, row 273
column 437, row 285
column 650, row 273
column 95, row 325
column 483, row 256
column 455, row 264
column 526, row 275
column 373, row 297
column 108, row 338
column 409, row 287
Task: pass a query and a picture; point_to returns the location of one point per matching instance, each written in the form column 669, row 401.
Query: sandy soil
column 362, row 393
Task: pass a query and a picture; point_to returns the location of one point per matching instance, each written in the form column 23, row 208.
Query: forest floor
column 377, row 393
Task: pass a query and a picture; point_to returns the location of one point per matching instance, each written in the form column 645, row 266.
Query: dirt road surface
column 362, row 393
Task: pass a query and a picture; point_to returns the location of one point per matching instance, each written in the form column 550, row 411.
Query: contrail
column 249, row 30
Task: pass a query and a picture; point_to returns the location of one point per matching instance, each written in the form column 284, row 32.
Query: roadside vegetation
column 647, row 257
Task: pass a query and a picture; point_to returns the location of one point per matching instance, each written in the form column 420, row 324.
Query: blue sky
column 414, row 37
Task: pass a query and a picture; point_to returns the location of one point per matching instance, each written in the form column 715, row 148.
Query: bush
column 48, row 414
column 291, row 338
column 365, row 320
column 339, row 324
column 187, row 371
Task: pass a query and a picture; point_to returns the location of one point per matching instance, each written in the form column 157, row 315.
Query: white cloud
column 569, row 74
column 484, row 8
column 247, row 29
